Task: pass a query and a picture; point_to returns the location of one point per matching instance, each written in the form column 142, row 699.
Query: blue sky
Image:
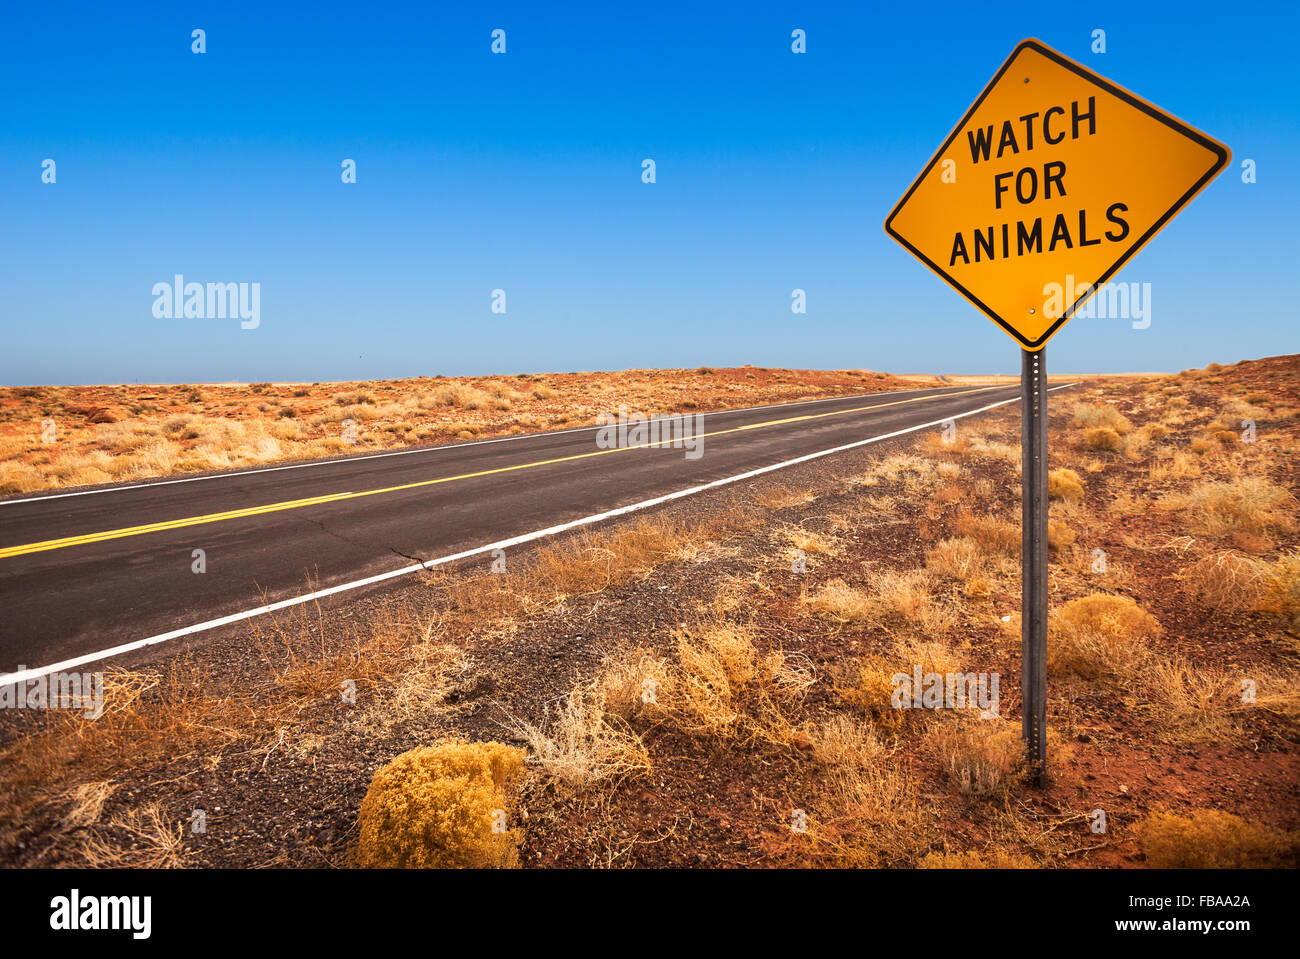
column 523, row 172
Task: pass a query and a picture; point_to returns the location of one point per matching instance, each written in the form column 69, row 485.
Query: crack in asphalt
column 364, row 544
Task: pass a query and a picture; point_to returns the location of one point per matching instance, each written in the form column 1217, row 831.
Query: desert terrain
column 710, row 684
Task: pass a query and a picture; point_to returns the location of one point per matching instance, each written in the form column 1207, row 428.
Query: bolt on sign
column 1052, row 180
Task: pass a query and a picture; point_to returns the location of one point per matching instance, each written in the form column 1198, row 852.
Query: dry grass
column 780, row 497
column 810, row 541
column 982, row 757
column 1178, row 466
column 629, row 683
column 992, row 858
column 724, row 688
column 843, row 741
column 585, row 743
column 1246, row 504
column 877, row 817
column 996, row 536
column 1192, row 704
column 964, row 560
column 1211, row 839
column 142, row 838
column 1100, row 637
column 1283, row 594
column 1064, row 484
column 1103, row 438
column 1059, row 536
column 1089, row 416
column 1227, row 582
column 902, row 600
column 107, row 434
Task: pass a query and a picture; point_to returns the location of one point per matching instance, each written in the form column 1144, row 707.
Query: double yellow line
column 87, row 538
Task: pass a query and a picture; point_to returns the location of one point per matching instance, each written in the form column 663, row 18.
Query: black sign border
column 1221, row 152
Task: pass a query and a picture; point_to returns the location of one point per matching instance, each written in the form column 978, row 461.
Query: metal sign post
column 1052, row 181
column 1033, row 609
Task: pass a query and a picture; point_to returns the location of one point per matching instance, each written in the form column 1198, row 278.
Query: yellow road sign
column 1052, row 180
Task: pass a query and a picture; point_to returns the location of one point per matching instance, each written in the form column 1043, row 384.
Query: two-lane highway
column 85, row 573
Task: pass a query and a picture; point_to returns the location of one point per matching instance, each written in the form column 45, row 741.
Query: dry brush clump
column 1100, row 637
column 1247, row 504
column 903, row 601
column 962, row 559
column 143, row 838
column 1227, row 582
column 995, row 535
column 1064, row 484
column 1192, row 704
column 982, row 756
column 1213, row 839
column 992, row 858
column 443, row 806
column 585, row 742
column 1101, row 427
column 875, row 816
column 1282, row 596
column 723, row 687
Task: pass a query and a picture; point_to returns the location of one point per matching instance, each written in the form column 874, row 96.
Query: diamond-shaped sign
column 1052, row 180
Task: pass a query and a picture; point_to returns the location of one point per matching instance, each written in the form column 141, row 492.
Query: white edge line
column 453, row 446
column 26, row 675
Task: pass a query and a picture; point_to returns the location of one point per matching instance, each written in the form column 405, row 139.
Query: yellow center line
column 86, row 538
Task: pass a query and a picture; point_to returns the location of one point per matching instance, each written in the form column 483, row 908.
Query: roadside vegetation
column 716, row 684
column 54, row 436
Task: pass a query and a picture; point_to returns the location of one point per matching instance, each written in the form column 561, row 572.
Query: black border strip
column 1221, row 152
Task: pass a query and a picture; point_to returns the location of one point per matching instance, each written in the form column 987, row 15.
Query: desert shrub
column 1227, row 582
column 1099, row 636
column 972, row 859
column 981, row 756
column 1210, row 839
column 842, row 741
column 1192, row 704
column 1155, row 431
column 1059, row 535
column 1102, row 438
column 1064, row 484
column 963, row 560
column 1282, row 596
column 1100, row 415
column 435, row 806
column 867, row 685
column 1247, row 504
column 586, row 743
column 996, row 536
column 630, row 681
column 724, row 687
column 717, row 661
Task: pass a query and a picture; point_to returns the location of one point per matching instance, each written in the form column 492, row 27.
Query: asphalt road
column 80, row 574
